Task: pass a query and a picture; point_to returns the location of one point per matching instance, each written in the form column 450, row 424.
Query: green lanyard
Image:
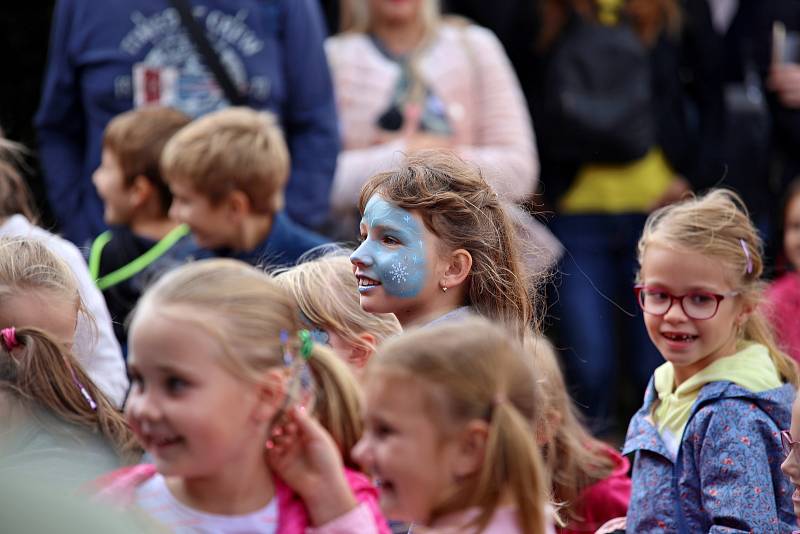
column 136, row 266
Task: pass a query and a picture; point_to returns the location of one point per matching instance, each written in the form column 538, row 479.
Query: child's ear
column 238, row 204
column 271, row 392
column 471, row 449
column 362, row 352
column 458, row 268
column 140, row 190
column 748, row 308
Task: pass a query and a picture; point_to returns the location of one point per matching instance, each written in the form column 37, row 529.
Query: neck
column 400, row 38
column 254, row 230
column 427, row 312
column 152, row 228
column 242, row 487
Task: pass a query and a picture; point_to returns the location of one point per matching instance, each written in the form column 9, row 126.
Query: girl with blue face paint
column 437, row 244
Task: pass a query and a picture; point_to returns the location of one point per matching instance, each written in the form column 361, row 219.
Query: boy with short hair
column 142, row 241
column 227, row 172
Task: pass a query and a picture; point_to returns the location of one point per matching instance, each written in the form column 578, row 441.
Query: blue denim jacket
column 726, row 476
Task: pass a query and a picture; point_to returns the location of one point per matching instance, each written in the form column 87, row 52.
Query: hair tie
column 306, row 343
column 749, row 268
column 84, row 392
column 9, row 336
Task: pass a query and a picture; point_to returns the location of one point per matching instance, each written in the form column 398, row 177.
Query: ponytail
column 36, row 368
column 338, row 404
column 512, row 461
column 757, row 329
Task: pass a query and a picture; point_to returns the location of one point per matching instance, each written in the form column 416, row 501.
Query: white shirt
column 154, row 499
column 96, row 349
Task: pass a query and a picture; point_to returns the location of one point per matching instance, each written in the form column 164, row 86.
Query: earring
column 444, row 289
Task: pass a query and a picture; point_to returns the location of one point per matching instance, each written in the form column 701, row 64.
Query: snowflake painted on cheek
column 399, row 273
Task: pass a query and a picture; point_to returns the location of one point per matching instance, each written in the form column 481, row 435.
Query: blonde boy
column 227, row 172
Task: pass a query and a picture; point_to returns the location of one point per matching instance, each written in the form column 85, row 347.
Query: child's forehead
column 381, row 212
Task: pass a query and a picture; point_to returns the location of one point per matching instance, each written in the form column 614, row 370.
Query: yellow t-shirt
column 629, row 188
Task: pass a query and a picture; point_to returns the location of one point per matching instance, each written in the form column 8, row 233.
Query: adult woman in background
column 405, row 79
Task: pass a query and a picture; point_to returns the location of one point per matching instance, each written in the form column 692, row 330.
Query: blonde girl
column 216, row 360
column 56, row 421
column 589, row 478
column 96, row 347
column 326, row 292
column 706, row 441
column 448, row 431
column 437, row 244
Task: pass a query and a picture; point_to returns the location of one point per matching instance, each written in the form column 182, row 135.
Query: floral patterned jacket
column 726, row 477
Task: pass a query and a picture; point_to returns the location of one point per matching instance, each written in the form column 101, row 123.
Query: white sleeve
column 96, row 346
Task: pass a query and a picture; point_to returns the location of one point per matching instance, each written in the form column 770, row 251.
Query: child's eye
column 174, row 384
column 389, row 240
column 700, row 299
column 655, row 295
column 135, row 380
column 383, row 430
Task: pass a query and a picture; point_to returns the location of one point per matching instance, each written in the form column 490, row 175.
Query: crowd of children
column 405, row 384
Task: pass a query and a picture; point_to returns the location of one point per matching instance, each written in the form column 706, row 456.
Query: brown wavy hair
column 41, row 371
column 459, row 207
column 474, row 370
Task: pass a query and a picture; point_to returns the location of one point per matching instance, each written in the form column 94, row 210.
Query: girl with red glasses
column 707, row 439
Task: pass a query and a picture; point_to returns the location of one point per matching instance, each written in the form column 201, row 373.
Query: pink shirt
column 783, row 300
column 467, row 68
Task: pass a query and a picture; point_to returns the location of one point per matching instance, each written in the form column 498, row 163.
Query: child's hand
column 306, row 458
column 613, row 525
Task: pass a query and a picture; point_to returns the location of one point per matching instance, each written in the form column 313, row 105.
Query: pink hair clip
column 9, row 336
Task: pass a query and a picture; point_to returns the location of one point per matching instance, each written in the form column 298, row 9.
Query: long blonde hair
column 459, row 207
column 475, row 370
column 40, row 371
column 327, row 293
column 246, row 311
column 717, row 225
column 575, row 459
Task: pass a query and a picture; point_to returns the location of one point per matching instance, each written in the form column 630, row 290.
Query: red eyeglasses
column 698, row 305
column 787, row 443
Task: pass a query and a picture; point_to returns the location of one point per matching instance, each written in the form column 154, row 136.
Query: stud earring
column 444, row 289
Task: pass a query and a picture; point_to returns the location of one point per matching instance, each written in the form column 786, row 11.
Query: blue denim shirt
column 726, row 476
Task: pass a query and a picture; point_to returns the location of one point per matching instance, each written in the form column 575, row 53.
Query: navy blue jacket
column 284, row 245
column 105, row 57
column 726, row 477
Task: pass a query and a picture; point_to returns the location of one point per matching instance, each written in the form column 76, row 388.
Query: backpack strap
column 136, row 266
column 207, row 52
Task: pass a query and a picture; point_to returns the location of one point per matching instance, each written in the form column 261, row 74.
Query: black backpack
column 598, row 95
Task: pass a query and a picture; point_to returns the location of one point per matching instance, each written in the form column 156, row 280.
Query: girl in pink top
column 589, row 478
column 406, row 80
column 784, row 294
column 448, row 433
column 216, row 359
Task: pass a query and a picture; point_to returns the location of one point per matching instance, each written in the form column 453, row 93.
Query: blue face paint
column 393, row 252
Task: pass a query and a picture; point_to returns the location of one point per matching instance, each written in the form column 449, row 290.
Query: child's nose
column 361, row 452
column 362, row 256
column 142, row 407
column 675, row 312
